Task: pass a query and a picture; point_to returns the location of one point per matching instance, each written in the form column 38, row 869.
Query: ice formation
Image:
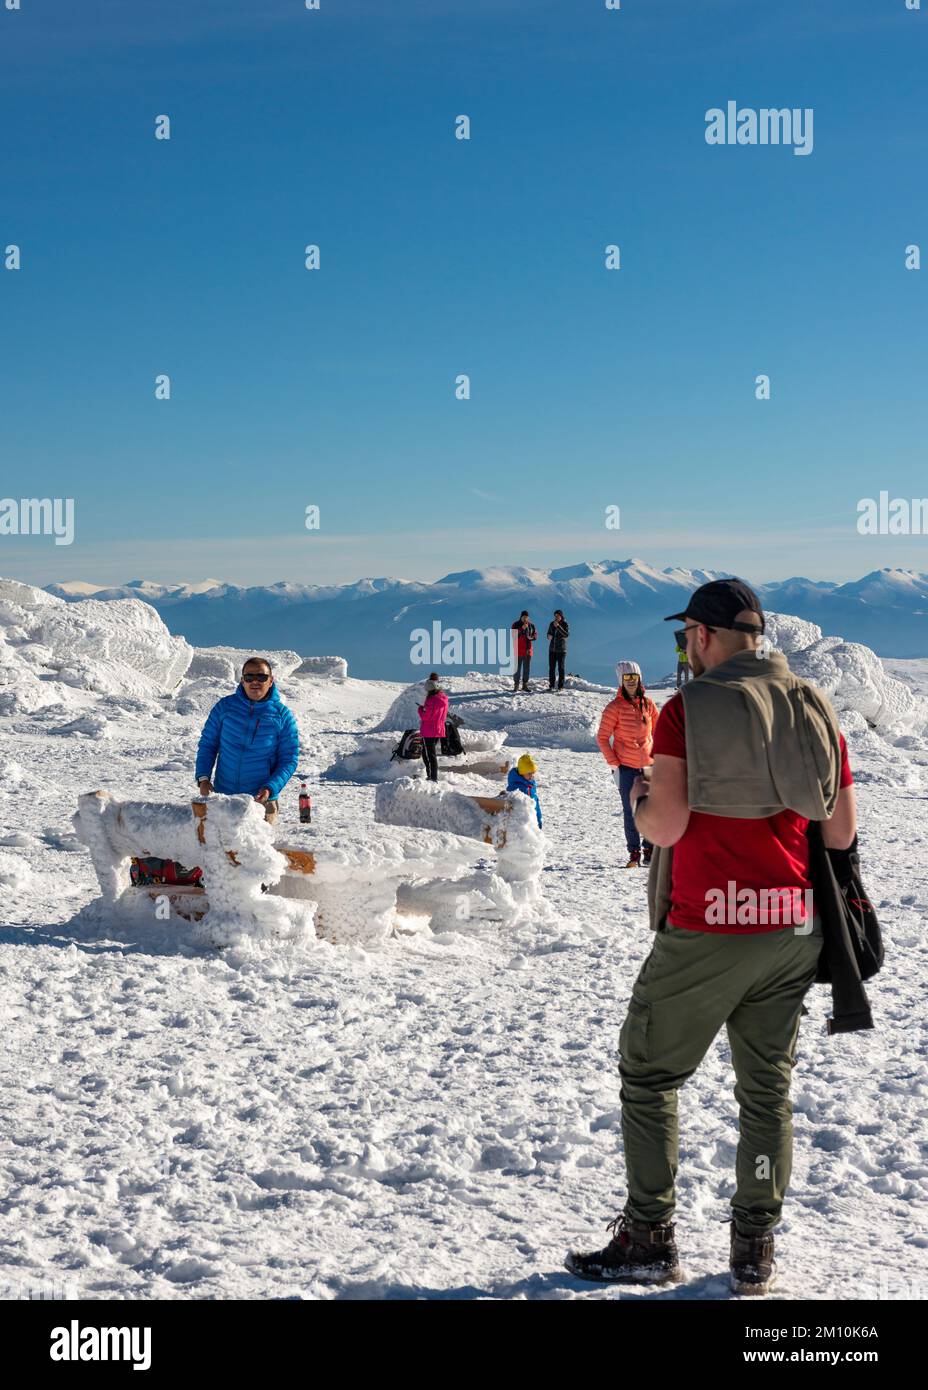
column 49, row 646
column 851, row 675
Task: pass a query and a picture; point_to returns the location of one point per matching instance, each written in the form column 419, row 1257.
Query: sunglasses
column 259, row 676
column 681, row 635
column 630, row 676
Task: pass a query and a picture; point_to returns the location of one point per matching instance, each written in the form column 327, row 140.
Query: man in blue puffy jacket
column 252, row 739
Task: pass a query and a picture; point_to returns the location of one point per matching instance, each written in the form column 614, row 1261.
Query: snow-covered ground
column 438, row 1117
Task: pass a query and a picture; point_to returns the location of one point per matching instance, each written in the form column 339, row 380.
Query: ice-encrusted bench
column 509, row 890
column 346, row 891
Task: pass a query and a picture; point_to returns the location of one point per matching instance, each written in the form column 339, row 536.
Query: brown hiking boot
column 639, row 1253
column 753, row 1268
column 634, row 859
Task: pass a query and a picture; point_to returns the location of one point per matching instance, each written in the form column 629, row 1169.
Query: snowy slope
column 439, row 1118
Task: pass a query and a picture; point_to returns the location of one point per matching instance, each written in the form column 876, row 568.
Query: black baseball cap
column 719, row 603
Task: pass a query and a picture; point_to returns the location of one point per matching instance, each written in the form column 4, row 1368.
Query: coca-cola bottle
column 306, row 805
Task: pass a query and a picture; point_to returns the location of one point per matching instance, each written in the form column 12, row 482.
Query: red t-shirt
column 718, row 857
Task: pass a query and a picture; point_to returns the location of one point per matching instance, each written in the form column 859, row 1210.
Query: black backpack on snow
column 451, row 745
column 409, row 746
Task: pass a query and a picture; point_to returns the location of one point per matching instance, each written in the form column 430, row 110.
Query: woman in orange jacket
column 625, row 735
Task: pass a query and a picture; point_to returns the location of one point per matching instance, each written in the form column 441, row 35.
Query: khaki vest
column 759, row 740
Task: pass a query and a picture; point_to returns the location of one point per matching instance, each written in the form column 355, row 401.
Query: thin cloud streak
column 831, row 552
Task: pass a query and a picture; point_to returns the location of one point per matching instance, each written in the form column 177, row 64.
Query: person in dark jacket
column 558, row 632
column 251, row 739
column 526, row 637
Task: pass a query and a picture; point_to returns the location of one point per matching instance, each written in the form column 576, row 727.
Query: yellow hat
column 526, row 764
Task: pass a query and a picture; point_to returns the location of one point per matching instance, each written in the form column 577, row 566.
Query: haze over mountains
column 615, row 609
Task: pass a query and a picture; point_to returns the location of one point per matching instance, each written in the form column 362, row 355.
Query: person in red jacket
column 625, row 736
column 432, row 716
column 526, row 637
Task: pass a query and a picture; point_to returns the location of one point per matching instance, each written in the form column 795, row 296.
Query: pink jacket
column 432, row 715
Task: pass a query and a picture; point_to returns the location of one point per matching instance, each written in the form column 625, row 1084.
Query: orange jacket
column 631, row 731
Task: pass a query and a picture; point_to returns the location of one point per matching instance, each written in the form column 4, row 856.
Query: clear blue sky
column 590, row 388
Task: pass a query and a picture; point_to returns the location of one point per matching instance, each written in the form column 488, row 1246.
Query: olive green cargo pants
column 691, row 983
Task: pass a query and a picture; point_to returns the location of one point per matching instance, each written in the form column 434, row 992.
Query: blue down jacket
column 515, row 782
column 254, row 744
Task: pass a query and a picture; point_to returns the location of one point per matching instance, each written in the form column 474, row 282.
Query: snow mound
column 13, row 777
column 225, row 663
column 48, row 645
column 403, row 712
column 789, row 634
column 852, row 676
column 326, row 666
column 429, row 806
column 90, row 725
column 487, row 703
column 372, row 760
column 15, row 873
column 854, row 679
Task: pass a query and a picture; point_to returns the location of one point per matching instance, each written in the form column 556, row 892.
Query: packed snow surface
column 436, row 1116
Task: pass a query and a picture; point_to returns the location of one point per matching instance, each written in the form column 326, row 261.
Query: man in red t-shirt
column 755, row 872
column 738, row 941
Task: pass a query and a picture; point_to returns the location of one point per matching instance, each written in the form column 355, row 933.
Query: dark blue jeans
column 627, row 776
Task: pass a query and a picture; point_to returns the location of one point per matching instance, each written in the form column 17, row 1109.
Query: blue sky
column 336, row 388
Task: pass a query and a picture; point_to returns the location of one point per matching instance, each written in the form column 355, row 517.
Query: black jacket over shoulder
column 852, row 948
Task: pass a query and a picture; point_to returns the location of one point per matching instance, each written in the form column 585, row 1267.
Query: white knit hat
column 627, row 668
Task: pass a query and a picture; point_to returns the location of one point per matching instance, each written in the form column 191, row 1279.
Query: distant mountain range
column 615, row 610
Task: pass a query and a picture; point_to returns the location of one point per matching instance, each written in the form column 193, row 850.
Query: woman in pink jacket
column 432, row 724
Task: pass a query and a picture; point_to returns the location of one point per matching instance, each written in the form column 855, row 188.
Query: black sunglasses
column 255, row 676
column 680, row 636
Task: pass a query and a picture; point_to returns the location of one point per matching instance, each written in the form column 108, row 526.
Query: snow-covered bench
column 510, row 891
column 230, row 841
column 343, row 890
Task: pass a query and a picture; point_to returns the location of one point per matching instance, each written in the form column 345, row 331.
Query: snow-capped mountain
column 615, row 608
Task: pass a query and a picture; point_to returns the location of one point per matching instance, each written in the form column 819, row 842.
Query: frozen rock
column 117, row 648
column 225, row 663
column 853, row 677
column 789, row 634
column 326, row 666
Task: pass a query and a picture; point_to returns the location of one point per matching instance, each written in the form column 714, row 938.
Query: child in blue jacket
column 522, row 779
